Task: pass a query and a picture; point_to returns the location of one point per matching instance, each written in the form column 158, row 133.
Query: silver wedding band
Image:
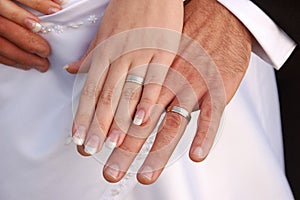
column 181, row 111
column 135, row 79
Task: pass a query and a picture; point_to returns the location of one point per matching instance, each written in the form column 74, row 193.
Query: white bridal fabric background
column 36, row 118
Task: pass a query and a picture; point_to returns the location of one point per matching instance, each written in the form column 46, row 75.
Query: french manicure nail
column 66, row 67
column 147, row 172
column 79, row 136
column 91, row 146
column 198, row 151
column 112, row 140
column 113, row 171
column 33, row 25
column 53, row 10
column 139, row 117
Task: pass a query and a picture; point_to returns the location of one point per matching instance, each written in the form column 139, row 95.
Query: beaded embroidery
column 48, row 27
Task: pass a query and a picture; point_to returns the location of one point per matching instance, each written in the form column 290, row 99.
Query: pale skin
column 106, row 88
column 223, row 37
column 228, row 42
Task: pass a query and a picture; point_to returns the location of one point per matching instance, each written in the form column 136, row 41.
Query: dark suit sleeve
column 285, row 13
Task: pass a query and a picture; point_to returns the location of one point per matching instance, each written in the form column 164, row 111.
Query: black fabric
column 288, row 81
column 286, row 14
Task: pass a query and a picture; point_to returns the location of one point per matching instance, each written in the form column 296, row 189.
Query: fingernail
column 113, row 171
column 64, row 1
column 79, row 136
column 112, row 140
column 139, row 117
column 91, row 146
column 61, row 1
column 147, row 173
column 66, row 67
column 198, row 151
column 33, row 25
column 53, row 10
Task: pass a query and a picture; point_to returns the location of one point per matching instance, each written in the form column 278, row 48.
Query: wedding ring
column 135, row 79
column 181, row 111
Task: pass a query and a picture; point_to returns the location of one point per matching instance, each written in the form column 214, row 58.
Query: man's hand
column 194, row 82
column 20, row 46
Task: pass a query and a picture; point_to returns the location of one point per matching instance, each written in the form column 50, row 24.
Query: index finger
column 24, row 38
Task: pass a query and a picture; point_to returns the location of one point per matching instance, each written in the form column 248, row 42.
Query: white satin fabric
column 38, row 163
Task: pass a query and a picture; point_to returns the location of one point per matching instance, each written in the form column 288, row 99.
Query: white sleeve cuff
column 272, row 44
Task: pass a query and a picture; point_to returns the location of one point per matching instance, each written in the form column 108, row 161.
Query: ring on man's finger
column 135, row 79
column 181, row 111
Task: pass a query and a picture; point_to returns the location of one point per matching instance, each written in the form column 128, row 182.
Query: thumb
column 82, row 65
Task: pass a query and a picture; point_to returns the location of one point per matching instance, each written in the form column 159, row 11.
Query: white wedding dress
column 38, row 162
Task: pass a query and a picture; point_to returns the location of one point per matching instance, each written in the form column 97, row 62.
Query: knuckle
column 90, row 90
column 173, row 122
column 106, row 96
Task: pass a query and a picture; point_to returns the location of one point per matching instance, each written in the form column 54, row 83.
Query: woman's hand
column 12, row 11
column 20, row 46
column 128, row 51
column 204, row 76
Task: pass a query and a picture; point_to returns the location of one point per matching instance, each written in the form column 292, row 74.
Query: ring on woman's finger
column 181, row 111
column 135, row 79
